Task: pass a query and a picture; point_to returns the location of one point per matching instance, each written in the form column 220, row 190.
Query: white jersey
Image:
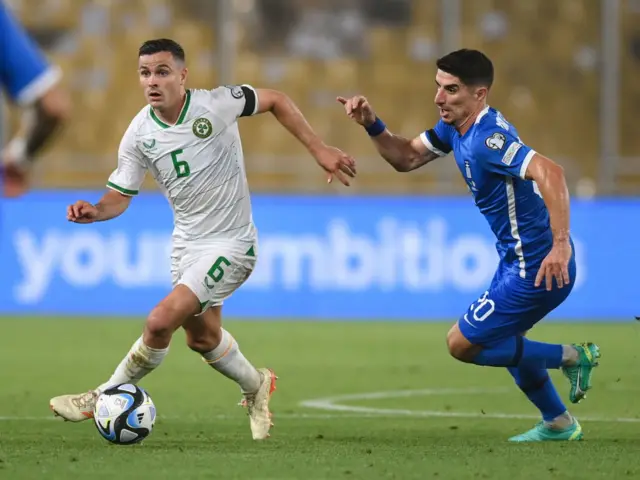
column 198, row 164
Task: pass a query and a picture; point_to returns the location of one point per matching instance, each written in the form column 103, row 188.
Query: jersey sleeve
column 438, row 139
column 24, row 71
column 235, row 101
column 501, row 152
column 129, row 175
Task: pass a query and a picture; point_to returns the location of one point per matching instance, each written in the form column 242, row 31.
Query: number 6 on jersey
column 182, row 167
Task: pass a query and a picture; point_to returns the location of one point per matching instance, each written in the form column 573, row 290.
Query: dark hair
column 472, row 67
column 162, row 45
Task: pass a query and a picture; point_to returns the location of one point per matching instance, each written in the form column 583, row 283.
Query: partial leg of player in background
column 148, row 351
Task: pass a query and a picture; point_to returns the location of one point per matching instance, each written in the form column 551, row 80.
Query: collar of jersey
column 482, row 113
column 183, row 113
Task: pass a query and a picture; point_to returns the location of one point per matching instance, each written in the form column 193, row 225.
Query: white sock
column 561, row 422
column 570, row 355
column 140, row 361
column 229, row 361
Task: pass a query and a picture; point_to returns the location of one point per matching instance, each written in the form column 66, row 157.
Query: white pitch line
column 26, row 419
column 332, row 404
column 420, row 393
column 188, row 418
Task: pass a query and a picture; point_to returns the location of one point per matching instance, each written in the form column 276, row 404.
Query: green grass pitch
column 354, row 400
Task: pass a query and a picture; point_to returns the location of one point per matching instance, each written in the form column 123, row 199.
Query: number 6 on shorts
column 216, row 272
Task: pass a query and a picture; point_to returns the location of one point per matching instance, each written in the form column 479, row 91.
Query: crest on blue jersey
column 496, row 141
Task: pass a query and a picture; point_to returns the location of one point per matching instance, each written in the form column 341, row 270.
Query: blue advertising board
column 320, row 257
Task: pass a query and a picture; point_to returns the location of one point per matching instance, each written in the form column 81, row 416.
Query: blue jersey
column 25, row 74
column 493, row 162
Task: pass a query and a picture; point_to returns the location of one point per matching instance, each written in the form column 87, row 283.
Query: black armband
column 250, row 102
column 436, row 142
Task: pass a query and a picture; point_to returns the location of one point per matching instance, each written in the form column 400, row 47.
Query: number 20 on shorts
column 484, row 308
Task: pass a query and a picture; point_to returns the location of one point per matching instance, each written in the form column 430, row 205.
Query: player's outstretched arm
column 401, row 153
column 331, row 160
column 111, row 205
column 549, row 176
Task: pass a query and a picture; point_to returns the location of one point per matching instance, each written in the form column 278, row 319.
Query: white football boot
column 75, row 408
column 258, row 405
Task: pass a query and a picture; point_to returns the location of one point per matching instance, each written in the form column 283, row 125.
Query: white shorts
column 212, row 271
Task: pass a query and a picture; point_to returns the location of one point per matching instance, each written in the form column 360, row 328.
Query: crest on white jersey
column 202, row 127
column 495, row 141
column 236, row 91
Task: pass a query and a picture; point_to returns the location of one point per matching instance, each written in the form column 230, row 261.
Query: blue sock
column 519, row 350
column 538, row 387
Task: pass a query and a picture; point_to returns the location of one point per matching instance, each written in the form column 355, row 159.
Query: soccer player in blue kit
column 29, row 80
column 524, row 197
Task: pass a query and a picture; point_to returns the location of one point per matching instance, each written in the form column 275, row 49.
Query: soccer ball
column 124, row 414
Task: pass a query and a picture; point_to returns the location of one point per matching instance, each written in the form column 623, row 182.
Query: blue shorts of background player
column 497, row 324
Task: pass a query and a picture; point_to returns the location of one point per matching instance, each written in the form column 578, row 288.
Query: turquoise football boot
column 542, row 433
column 579, row 375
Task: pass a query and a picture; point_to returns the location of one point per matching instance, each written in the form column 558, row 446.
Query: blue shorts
column 512, row 305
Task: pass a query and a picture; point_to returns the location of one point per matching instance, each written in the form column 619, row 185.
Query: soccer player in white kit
column 189, row 141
